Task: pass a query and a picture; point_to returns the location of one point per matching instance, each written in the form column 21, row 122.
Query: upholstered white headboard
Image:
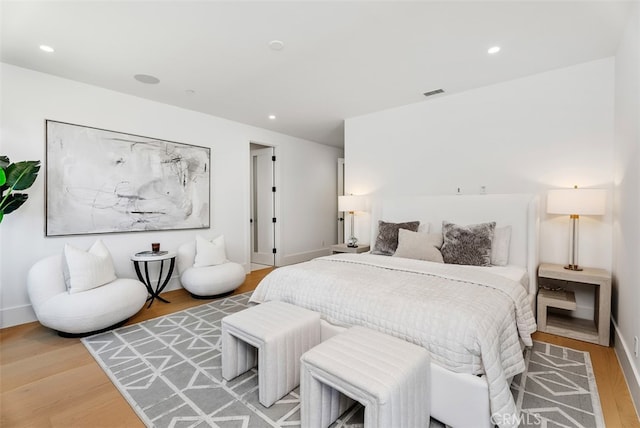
column 520, row 211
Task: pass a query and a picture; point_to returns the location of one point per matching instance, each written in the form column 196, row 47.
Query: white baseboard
column 631, row 375
column 303, row 257
column 16, row 315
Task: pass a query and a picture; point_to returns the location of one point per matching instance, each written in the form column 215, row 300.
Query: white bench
column 279, row 333
column 387, row 375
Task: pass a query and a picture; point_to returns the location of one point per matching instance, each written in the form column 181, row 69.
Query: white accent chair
column 89, row 311
column 209, row 281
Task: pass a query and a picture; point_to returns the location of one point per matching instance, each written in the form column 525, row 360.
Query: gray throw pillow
column 467, row 245
column 387, row 239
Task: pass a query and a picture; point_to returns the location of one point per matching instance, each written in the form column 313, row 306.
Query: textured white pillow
column 420, row 246
column 500, row 246
column 84, row 270
column 209, row 253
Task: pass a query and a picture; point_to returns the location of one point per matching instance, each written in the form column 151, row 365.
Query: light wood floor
column 49, row 381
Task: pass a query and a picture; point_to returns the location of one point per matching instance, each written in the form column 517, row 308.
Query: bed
column 473, row 320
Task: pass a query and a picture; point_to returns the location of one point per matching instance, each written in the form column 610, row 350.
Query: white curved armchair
column 209, row 281
column 80, row 313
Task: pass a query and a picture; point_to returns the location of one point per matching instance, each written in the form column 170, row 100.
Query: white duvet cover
column 469, row 320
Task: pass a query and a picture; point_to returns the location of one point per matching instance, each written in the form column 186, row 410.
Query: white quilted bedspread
column 469, row 321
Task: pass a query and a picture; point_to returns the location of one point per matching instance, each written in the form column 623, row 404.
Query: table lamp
column 351, row 204
column 576, row 202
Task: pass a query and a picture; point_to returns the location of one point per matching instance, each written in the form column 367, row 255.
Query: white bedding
column 514, row 273
column 470, row 320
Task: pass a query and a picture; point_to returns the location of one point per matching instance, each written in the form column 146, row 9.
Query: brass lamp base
column 573, row 243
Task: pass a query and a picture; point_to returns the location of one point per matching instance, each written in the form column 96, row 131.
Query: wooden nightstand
column 342, row 248
column 556, row 322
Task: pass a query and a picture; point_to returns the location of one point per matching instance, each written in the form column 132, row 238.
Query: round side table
column 149, row 256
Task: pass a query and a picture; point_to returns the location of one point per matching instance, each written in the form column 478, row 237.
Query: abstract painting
column 100, row 181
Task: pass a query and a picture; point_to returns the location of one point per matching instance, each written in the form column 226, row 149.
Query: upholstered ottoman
column 389, row 376
column 281, row 333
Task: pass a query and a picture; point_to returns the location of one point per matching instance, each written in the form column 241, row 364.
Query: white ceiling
column 340, row 59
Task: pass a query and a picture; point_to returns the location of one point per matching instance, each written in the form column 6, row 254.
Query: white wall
column 626, row 214
column 307, row 176
column 550, row 130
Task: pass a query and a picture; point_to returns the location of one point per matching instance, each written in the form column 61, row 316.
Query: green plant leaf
column 1, row 215
column 3, row 177
column 4, row 162
column 13, row 202
column 21, row 175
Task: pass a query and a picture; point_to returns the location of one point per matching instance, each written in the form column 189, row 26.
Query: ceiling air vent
column 434, row 92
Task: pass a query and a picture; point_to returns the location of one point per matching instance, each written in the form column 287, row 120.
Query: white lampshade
column 351, row 203
column 577, row 201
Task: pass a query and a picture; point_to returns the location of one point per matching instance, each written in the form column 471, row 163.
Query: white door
column 341, row 214
column 262, row 207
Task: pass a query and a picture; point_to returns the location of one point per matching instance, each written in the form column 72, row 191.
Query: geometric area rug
column 169, row 370
column 558, row 387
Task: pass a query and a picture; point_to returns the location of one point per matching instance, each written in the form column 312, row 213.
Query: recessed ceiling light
column 146, row 78
column 494, row 50
column 47, row 48
column 276, row 45
column 272, row 116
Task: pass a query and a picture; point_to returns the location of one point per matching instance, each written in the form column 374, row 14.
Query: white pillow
column 84, row 270
column 420, row 246
column 500, row 246
column 424, row 227
column 209, row 253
